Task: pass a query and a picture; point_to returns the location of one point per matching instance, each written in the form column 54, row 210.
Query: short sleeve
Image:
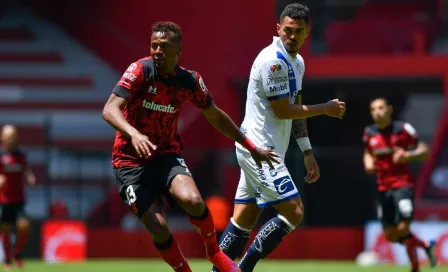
column 274, row 75
column 201, row 97
column 411, row 134
column 130, row 81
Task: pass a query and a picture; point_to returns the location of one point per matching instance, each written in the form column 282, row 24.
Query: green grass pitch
column 155, row 265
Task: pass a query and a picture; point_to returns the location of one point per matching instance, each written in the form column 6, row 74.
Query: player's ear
column 279, row 27
column 308, row 31
column 390, row 109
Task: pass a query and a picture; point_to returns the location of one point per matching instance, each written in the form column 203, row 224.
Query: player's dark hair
column 168, row 27
column 386, row 101
column 296, row 11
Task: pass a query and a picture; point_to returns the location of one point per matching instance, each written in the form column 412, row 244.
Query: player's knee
column 295, row 215
column 246, row 215
column 194, row 204
column 403, row 229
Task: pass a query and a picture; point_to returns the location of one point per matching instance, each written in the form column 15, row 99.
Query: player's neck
column 384, row 125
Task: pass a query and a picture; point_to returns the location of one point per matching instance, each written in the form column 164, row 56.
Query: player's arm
column 275, row 80
column 30, row 177
column 369, row 162
column 368, row 158
column 224, row 124
column 300, row 132
column 421, row 153
column 421, row 150
column 2, row 180
column 113, row 114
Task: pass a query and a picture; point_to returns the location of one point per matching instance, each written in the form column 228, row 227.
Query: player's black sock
column 233, row 241
column 267, row 239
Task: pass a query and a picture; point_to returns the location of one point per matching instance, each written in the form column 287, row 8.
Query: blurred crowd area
column 60, row 60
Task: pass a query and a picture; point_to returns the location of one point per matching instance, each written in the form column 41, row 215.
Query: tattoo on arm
column 299, row 128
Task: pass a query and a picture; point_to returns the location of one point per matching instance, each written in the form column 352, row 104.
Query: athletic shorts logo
column 283, row 185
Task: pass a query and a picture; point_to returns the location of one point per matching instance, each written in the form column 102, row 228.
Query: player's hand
column 264, row 155
column 335, row 108
column 312, row 168
column 142, row 145
column 400, row 156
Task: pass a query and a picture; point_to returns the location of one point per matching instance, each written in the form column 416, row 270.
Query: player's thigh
column 8, row 216
column 404, row 206
column 386, row 210
column 155, row 222
column 137, row 188
column 178, row 181
column 270, row 186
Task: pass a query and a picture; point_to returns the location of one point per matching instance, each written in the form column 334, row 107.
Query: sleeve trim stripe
column 276, row 97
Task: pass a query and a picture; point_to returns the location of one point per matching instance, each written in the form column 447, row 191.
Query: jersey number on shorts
column 130, row 194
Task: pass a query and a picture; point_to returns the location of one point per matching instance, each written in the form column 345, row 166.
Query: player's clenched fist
column 142, row 145
column 335, row 108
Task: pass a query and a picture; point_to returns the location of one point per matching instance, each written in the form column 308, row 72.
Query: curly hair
column 296, row 11
column 172, row 28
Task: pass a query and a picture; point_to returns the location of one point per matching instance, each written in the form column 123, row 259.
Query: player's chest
column 163, row 92
column 384, row 144
column 12, row 164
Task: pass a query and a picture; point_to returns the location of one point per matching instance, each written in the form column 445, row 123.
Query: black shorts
column 395, row 206
column 140, row 186
column 11, row 212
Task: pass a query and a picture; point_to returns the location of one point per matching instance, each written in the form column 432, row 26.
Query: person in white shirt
column 274, row 109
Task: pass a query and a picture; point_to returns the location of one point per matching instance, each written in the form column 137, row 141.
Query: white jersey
column 274, row 75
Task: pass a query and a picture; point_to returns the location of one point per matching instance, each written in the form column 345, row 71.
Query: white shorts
column 264, row 186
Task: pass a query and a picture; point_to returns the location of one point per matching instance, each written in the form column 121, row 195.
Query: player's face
column 380, row 111
column 165, row 51
column 9, row 138
column 293, row 34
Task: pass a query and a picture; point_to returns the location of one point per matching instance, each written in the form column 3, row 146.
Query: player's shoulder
column 269, row 58
column 187, row 78
column 371, row 130
column 403, row 126
column 143, row 65
column 300, row 58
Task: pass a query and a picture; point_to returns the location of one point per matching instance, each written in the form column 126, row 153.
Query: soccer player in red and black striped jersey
column 144, row 109
column 389, row 146
column 14, row 172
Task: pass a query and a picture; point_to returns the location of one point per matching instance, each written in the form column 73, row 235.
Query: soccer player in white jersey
column 274, row 109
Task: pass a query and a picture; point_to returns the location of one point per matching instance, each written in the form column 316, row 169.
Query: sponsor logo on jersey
column 130, row 76
column 275, row 80
column 152, row 90
column 157, row 107
column 132, row 67
column 274, row 89
column 275, row 68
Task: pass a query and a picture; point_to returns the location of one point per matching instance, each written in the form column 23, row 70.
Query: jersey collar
column 278, row 43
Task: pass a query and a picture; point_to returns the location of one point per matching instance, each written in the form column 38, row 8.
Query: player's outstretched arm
column 224, row 124
column 113, row 115
column 283, row 110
